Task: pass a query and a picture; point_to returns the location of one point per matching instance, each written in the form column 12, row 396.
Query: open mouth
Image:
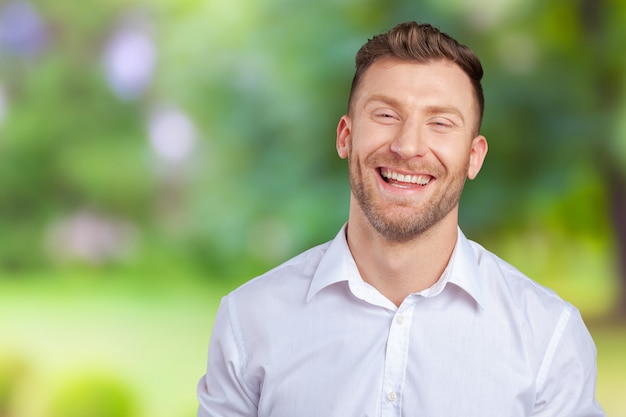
column 404, row 180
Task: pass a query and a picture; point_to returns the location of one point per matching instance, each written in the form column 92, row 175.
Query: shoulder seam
column 237, row 335
column 566, row 313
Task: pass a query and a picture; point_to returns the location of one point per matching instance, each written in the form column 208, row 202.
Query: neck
column 398, row 269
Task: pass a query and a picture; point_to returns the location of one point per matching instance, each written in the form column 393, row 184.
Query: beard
column 402, row 220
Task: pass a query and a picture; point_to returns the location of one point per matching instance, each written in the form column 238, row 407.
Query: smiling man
column 401, row 314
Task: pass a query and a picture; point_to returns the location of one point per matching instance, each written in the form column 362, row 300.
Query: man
column 401, row 315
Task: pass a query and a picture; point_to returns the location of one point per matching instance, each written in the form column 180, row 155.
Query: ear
column 478, row 152
column 344, row 130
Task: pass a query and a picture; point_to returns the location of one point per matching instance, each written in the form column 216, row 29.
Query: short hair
column 421, row 43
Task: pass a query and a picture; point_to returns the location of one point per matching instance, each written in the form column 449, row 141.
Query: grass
column 151, row 340
column 611, row 343
column 150, row 337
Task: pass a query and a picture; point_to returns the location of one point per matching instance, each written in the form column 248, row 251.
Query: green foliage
column 264, row 85
column 67, row 142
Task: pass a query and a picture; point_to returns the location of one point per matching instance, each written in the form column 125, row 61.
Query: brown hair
column 411, row 41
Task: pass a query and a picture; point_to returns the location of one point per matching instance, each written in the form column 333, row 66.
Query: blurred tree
column 67, row 142
column 221, row 142
column 603, row 25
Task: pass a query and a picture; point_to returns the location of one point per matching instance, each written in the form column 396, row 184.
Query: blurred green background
column 156, row 154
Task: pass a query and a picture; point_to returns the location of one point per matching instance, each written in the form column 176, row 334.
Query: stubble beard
column 404, row 222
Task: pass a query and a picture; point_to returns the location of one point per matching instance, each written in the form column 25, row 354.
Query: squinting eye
column 385, row 115
column 441, row 124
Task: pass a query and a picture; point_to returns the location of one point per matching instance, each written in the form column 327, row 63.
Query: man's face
column 410, row 143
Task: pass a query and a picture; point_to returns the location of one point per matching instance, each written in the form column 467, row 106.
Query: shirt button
column 392, row 396
column 400, row 320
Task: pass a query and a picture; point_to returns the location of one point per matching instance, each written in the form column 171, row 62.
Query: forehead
column 439, row 82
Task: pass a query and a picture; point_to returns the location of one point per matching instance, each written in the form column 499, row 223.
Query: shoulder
column 536, row 313
column 505, row 283
column 262, row 309
column 291, row 278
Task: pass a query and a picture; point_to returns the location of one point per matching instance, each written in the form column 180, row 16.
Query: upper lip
column 413, row 178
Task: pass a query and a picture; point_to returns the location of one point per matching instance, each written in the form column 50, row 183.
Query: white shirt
column 310, row 338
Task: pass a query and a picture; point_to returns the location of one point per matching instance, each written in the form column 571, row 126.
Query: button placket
column 396, row 357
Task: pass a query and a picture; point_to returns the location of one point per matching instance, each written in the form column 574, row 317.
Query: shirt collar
column 463, row 269
column 338, row 265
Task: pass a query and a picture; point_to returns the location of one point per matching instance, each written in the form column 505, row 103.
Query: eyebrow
column 383, row 99
column 433, row 110
column 430, row 110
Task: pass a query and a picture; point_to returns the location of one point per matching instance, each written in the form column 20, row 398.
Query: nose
column 410, row 141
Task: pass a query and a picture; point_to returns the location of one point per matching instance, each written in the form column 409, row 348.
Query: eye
column 385, row 115
column 441, row 124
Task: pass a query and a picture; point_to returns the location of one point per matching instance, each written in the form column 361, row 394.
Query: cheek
column 366, row 144
column 454, row 159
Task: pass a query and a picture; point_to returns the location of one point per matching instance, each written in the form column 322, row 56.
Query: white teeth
column 411, row 179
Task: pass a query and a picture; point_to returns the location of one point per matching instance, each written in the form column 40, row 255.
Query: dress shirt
column 310, row 338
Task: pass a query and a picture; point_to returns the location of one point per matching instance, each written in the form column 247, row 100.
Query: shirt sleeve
column 567, row 381
column 222, row 391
